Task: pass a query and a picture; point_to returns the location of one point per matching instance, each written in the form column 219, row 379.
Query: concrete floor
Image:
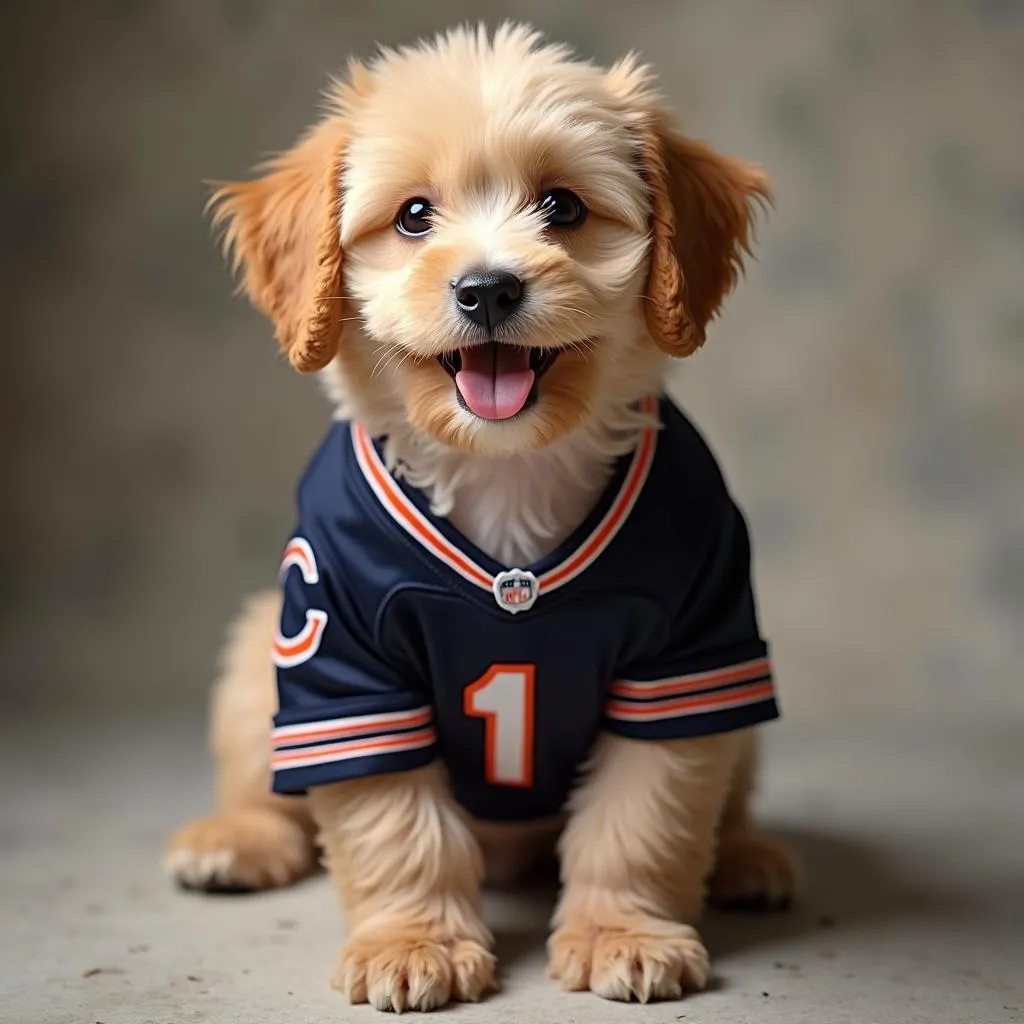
column 912, row 837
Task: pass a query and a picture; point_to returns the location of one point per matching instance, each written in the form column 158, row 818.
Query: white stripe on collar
column 409, row 517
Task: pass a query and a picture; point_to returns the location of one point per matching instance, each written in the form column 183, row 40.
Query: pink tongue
column 495, row 380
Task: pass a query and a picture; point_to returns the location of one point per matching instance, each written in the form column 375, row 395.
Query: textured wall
column 865, row 390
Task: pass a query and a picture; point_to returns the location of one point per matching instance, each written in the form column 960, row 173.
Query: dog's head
column 491, row 240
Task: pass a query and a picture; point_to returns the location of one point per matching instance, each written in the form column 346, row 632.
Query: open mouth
column 496, row 381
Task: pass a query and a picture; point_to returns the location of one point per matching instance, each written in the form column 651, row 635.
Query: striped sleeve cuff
column 696, row 704
column 330, row 750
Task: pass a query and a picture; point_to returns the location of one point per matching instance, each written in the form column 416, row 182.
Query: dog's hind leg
column 752, row 871
column 256, row 840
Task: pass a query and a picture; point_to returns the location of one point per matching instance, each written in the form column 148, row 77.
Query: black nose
column 489, row 297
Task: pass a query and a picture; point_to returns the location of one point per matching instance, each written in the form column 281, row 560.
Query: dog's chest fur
column 517, row 509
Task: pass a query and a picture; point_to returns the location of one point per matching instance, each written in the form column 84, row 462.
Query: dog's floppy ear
column 702, row 212
column 282, row 230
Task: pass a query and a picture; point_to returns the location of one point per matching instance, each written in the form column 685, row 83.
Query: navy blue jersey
column 401, row 642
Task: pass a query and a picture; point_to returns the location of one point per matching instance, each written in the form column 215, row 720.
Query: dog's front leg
column 635, row 856
column 408, row 873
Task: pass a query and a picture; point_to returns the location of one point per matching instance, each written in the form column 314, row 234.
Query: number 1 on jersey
column 503, row 697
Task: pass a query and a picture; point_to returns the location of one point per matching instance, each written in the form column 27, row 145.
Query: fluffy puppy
column 489, row 250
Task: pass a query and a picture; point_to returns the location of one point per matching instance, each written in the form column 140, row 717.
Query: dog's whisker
column 389, row 363
column 385, row 359
column 394, row 351
column 402, row 361
column 583, row 347
column 573, row 309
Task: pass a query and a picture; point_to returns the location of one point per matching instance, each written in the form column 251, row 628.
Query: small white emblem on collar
column 516, row 590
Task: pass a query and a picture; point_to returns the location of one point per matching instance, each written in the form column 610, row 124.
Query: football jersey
column 401, row 642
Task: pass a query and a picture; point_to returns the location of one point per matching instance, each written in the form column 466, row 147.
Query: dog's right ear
column 282, row 230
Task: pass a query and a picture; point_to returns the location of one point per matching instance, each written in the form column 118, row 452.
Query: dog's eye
column 414, row 218
column 562, row 208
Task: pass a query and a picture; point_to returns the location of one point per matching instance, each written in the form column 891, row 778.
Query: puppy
column 516, row 608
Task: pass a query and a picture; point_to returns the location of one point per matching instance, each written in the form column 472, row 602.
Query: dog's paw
column 753, row 872
column 413, row 972
column 240, row 851
column 629, row 963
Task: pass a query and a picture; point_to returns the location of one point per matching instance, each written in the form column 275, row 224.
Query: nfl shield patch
column 516, row 590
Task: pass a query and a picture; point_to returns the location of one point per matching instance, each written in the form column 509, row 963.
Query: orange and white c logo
column 294, row 650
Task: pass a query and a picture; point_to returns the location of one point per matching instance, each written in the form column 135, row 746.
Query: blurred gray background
column 864, row 391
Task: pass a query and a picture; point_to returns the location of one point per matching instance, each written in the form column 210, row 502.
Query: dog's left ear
column 702, row 212
column 283, row 231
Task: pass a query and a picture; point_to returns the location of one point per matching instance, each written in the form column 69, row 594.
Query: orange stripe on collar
column 405, row 513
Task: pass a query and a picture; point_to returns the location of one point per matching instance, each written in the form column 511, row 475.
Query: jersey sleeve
column 707, row 670
column 345, row 710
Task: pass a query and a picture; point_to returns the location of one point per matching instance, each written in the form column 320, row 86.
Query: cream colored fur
column 652, row 825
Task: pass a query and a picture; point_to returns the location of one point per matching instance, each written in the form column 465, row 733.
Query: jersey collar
column 417, row 525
